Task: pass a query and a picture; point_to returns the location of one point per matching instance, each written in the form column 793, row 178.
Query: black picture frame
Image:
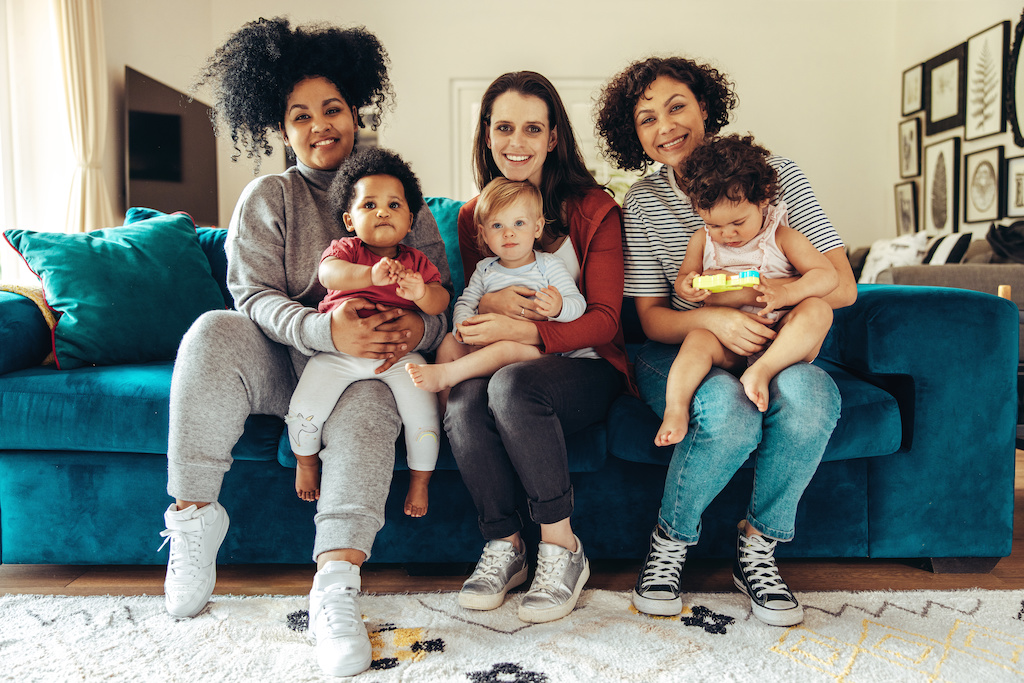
column 984, row 113
column 1014, row 187
column 944, row 90
column 906, row 208
column 1014, row 88
column 984, row 188
column 910, row 148
column 940, row 192
column 913, row 90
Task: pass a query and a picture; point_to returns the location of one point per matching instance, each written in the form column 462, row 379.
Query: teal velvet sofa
column 920, row 465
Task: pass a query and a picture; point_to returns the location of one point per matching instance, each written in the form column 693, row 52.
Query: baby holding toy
column 376, row 196
column 730, row 184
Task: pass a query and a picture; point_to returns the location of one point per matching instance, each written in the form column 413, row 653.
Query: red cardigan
column 595, row 228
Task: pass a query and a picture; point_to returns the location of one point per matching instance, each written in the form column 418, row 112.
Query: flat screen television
column 170, row 150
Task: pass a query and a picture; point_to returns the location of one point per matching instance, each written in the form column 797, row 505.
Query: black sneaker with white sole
column 756, row 575
column 657, row 586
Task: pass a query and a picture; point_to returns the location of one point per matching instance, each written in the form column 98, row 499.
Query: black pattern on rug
column 886, row 605
column 711, row 622
column 506, row 672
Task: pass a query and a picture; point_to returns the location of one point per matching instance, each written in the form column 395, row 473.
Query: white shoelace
column 665, row 564
column 491, row 562
column 550, row 571
column 757, row 560
column 181, row 568
column 342, row 612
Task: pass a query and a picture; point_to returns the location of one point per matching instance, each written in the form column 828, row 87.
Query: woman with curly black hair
column 307, row 84
column 660, row 110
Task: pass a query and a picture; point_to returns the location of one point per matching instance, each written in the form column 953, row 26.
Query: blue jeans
column 725, row 428
column 508, row 431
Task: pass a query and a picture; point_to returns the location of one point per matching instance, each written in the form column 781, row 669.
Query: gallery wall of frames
column 971, row 92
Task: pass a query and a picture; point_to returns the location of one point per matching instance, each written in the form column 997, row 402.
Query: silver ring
column 522, row 312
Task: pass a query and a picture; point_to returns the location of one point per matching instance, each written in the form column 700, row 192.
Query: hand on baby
column 548, row 302
column 773, row 296
column 685, row 289
column 386, row 272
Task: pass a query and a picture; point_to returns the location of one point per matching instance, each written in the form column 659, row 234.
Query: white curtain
column 84, row 66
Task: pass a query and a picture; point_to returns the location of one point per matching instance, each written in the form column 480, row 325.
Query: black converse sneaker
column 756, row 575
column 657, row 587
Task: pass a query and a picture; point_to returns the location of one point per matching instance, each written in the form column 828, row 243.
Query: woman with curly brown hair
column 660, row 110
column 306, row 84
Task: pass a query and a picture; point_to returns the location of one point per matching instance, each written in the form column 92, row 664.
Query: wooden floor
column 699, row 575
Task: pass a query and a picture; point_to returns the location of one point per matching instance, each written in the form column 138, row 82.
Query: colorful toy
column 727, row 283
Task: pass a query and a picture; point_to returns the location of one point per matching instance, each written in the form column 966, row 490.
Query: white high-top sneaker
column 335, row 622
column 195, row 535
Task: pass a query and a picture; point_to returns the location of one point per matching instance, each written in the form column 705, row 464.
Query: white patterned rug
column 964, row 636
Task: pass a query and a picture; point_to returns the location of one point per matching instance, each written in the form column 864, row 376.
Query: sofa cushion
column 947, row 249
column 869, row 424
column 906, row 250
column 446, row 213
column 125, row 295
column 24, row 335
column 122, row 409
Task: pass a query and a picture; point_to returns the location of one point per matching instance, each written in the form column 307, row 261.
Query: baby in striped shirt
column 510, row 218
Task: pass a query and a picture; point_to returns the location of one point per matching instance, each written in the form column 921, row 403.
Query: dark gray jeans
column 509, row 431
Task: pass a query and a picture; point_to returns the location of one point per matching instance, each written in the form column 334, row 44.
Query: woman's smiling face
column 669, row 121
column 319, row 125
column 520, row 136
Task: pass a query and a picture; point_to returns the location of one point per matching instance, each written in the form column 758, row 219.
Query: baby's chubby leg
column 699, row 351
column 484, row 361
column 800, row 335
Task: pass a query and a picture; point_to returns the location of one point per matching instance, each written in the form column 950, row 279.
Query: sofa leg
column 961, row 565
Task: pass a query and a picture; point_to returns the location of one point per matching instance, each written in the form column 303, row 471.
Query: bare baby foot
column 416, row 499
column 428, row 377
column 307, row 477
column 755, row 385
column 673, row 427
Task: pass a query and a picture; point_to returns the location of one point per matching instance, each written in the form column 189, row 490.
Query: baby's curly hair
column 255, row 70
column 731, row 168
column 372, row 161
column 615, row 105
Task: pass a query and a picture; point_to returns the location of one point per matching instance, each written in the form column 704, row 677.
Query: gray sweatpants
column 226, row 370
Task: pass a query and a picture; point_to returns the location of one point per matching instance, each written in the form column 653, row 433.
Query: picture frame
column 913, row 94
column 906, row 208
column 944, row 89
column 1014, row 88
column 983, row 185
column 910, row 148
column 986, row 81
column 1014, row 184
column 940, row 194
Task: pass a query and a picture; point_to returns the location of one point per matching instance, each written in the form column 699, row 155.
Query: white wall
column 818, row 80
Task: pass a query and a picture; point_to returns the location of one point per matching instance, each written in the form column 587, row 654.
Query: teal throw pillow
column 124, row 295
column 446, row 213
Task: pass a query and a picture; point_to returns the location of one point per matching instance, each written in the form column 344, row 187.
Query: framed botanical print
column 941, row 191
column 1014, row 87
column 1014, row 176
column 986, row 66
column 906, row 208
column 944, row 90
column 983, row 185
column 913, row 93
column 910, row 148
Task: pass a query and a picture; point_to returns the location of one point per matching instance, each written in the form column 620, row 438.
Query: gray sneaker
column 500, row 569
column 557, row 585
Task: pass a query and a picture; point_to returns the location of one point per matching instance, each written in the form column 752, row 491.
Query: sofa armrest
column 24, row 335
column 956, row 353
column 980, row 277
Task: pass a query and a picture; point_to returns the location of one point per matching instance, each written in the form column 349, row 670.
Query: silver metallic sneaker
column 557, row 584
column 195, row 535
column 756, row 575
column 500, row 569
column 657, row 586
